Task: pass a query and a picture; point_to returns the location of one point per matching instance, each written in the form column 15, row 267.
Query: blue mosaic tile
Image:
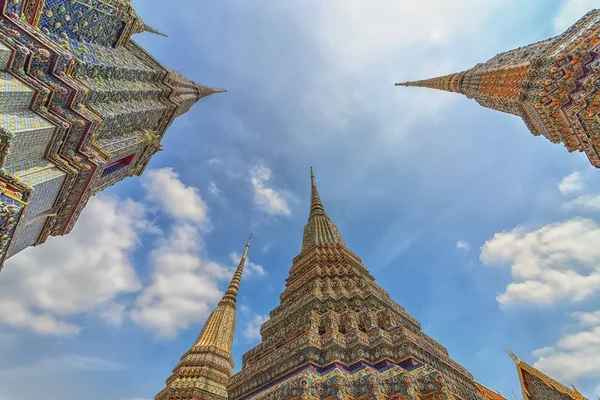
column 81, row 20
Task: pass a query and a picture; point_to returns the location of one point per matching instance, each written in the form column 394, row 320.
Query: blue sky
column 481, row 231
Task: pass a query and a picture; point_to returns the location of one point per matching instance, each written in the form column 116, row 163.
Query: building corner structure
column 553, row 85
column 204, row 371
column 82, row 105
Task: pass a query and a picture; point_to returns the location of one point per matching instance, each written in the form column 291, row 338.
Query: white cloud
column 252, row 329
column 571, row 183
column 113, row 314
column 355, row 33
column 175, row 198
column 214, row 190
column 574, row 356
column 60, row 364
column 271, row 201
column 80, row 272
column 570, row 12
column 587, row 318
column 462, row 245
column 585, row 203
column 250, row 269
column 184, row 286
column 544, row 351
column 266, row 247
column 557, row 261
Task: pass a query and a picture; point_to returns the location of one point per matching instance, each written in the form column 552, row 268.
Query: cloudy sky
column 484, row 233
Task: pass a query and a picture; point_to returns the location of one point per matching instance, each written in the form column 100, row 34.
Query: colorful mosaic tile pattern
column 90, row 21
column 5, row 53
column 44, row 196
column 10, row 213
column 33, row 172
column 26, row 235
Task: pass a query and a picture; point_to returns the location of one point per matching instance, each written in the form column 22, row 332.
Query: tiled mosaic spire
column 448, row 83
column 319, row 228
column 204, row 370
column 83, row 107
column 539, row 386
column 337, row 335
column 552, row 85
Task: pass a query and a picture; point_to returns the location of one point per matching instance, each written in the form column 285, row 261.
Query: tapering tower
column 538, row 386
column 204, row 370
column 337, row 334
column 552, row 85
column 82, row 106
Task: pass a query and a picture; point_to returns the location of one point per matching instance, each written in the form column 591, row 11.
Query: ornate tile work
column 10, row 213
column 539, row 390
column 5, row 53
column 12, row 6
column 44, row 194
column 78, row 92
column 26, row 235
column 83, row 20
column 33, row 172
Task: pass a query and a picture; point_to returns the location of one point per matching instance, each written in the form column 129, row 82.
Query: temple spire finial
column 148, row 28
column 513, row 356
column 204, row 91
column 448, row 83
column 234, row 285
column 319, row 229
column 316, row 206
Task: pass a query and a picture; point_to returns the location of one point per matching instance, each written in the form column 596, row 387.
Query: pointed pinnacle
column 513, row 356
column 204, row 91
column 234, row 285
column 315, row 201
column 402, row 84
column 247, row 246
column 148, row 28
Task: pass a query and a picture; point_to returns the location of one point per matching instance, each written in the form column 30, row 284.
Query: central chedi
column 337, row 335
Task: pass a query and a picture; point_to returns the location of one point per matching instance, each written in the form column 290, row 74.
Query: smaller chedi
column 204, row 370
column 82, row 106
column 553, row 85
column 538, row 386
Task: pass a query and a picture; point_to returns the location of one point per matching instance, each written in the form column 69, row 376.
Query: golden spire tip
column 512, row 355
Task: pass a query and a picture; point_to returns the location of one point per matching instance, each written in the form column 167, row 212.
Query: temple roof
column 533, row 381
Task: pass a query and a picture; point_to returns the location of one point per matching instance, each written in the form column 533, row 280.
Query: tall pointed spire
column 319, row 229
column 448, row 83
column 204, row 91
column 148, row 28
column 536, row 385
column 203, row 371
column 234, row 285
column 315, row 201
